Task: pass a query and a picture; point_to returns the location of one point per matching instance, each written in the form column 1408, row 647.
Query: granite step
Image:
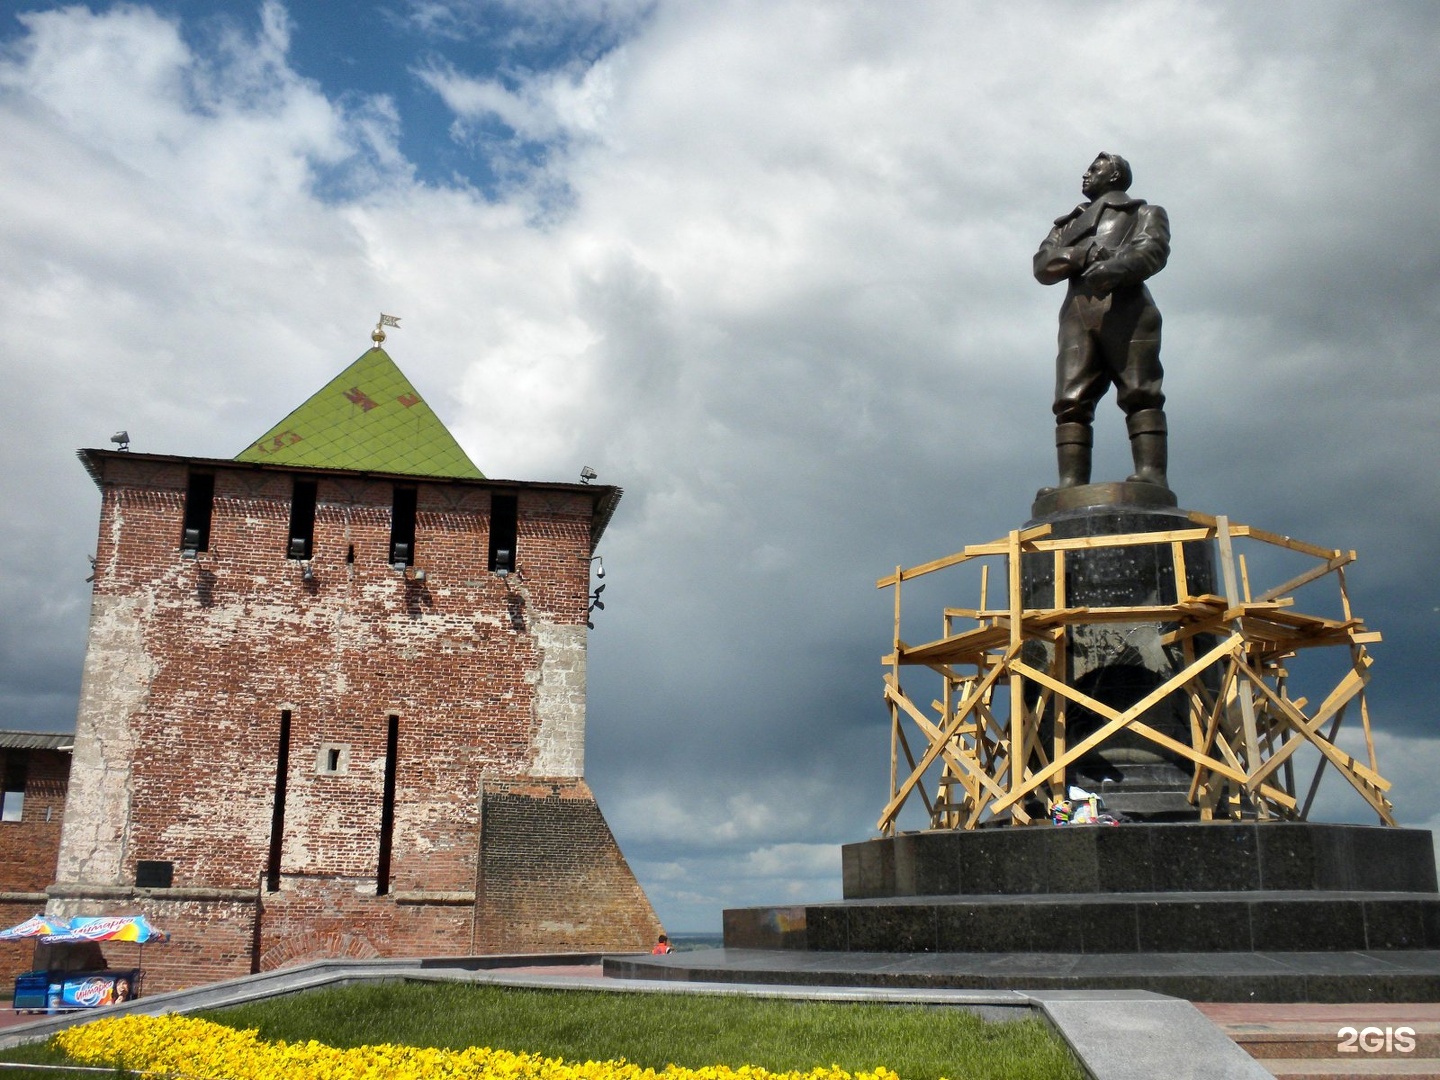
column 1204, row 922
column 1292, row 977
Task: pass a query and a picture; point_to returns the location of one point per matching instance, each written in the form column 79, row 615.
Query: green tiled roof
column 370, row 419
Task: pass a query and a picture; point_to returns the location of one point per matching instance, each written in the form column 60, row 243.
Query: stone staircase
column 1310, row 1042
column 1235, row 911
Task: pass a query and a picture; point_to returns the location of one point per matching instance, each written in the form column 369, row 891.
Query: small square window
column 13, row 808
column 333, row 759
column 154, row 874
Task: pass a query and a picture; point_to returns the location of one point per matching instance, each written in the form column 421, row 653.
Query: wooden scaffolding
column 1244, row 726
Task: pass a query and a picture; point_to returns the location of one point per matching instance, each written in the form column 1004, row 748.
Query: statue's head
column 1108, row 172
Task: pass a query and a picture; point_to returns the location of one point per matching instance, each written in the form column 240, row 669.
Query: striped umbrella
column 135, row 928
column 37, row 926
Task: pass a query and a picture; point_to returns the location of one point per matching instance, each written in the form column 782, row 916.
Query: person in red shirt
column 661, row 947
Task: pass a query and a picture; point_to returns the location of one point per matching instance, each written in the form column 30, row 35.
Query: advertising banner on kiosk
column 92, row 989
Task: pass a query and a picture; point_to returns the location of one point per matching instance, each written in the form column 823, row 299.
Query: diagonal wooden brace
column 1117, row 720
column 938, row 746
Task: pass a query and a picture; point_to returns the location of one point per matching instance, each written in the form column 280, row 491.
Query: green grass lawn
column 918, row 1042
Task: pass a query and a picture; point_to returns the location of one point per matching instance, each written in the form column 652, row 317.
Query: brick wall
column 553, row 877
column 193, row 663
column 28, row 849
column 311, row 918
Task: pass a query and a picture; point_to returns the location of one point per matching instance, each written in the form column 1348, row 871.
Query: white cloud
column 544, row 107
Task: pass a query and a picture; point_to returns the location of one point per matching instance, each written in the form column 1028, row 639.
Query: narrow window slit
column 387, row 805
column 199, row 505
column 302, row 520
column 402, row 529
column 277, row 815
column 504, row 515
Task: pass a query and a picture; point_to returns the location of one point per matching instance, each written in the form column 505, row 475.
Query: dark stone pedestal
column 1274, row 911
column 1215, row 857
column 1089, row 496
column 1119, row 663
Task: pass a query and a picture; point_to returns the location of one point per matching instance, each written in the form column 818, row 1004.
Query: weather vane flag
column 378, row 334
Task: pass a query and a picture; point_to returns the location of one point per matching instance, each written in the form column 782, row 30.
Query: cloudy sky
column 765, row 265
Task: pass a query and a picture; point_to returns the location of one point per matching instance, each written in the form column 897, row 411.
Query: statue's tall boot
column 1072, row 451
column 1148, row 446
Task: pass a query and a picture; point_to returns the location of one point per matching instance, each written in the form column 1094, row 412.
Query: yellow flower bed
column 199, row 1048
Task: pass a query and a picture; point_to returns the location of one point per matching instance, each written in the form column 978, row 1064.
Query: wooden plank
column 1154, row 697
column 1344, row 592
column 1017, row 681
column 1284, row 541
column 1283, row 614
column 1341, row 760
column 1308, row 727
column 896, row 634
column 965, row 646
column 894, row 753
column 1195, row 712
column 1063, row 690
column 1232, row 596
column 936, row 748
column 920, row 788
column 962, row 648
column 1369, row 736
column 1320, row 765
column 1059, row 733
column 1116, row 720
column 1128, row 719
column 1034, row 539
column 1182, row 578
column 1084, row 543
column 946, row 734
column 1310, row 575
column 966, row 763
column 1139, row 613
column 1212, row 729
column 1186, row 633
column 1175, row 746
column 1271, row 608
column 948, row 700
column 897, row 646
column 1032, row 743
column 971, row 551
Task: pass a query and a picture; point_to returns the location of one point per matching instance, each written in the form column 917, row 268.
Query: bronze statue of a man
column 1109, row 324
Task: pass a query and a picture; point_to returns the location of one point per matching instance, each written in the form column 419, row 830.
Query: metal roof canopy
column 35, row 740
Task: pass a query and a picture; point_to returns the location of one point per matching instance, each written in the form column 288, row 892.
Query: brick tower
column 334, row 701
